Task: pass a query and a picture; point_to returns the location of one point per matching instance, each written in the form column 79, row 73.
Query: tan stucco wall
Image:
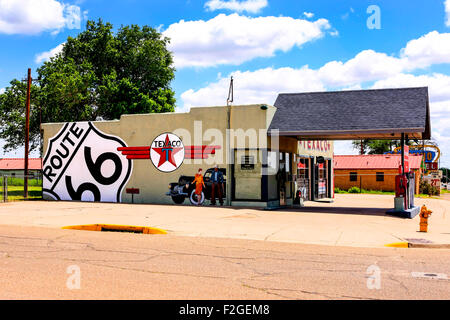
column 140, row 130
column 248, row 182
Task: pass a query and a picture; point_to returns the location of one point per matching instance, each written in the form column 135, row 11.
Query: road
column 44, row 263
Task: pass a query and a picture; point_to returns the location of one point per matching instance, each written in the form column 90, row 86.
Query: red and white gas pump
column 404, row 181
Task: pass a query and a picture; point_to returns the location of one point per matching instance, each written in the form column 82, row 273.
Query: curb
column 117, row 228
column 418, row 245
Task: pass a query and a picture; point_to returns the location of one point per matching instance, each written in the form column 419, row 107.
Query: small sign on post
column 132, row 191
column 5, row 188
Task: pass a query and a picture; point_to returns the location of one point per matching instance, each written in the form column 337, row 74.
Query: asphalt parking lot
column 352, row 220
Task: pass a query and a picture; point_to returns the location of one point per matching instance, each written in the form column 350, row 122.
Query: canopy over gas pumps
column 400, row 114
column 353, row 115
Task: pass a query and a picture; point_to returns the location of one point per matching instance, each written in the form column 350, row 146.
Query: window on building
column 272, row 164
column 303, row 165
column 380, row 176
column 353, row 176
column 288, row 162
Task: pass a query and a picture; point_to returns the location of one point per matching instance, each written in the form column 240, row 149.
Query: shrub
column 354, row 190
column 426, row 188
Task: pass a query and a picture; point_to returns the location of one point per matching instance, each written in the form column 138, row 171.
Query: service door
column 321, row 180
column 303, row 166
column 247, row 175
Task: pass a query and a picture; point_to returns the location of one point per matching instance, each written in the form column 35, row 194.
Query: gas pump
column 404, row 187
column 401, row 188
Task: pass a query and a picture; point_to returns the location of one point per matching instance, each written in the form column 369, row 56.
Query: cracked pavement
column 34, row 262
column 352, row 220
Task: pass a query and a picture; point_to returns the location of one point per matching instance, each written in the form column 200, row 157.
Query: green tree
column 375, row 146
column 445, row 175
column 99, row 73
column 12, row 119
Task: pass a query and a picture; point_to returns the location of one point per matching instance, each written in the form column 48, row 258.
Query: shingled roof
column 353, row 114
column 374, row 161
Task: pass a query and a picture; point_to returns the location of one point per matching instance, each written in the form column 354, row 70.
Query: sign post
column 132, row 191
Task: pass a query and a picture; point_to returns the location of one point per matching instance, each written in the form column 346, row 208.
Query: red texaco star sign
column 167, row 152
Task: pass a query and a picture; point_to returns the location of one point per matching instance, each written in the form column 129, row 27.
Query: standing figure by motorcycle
column 217, row 184
column 199, row 184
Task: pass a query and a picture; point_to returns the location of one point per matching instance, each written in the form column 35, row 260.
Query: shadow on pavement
column 344, row 211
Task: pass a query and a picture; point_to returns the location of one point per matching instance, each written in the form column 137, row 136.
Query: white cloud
column 439, row 94
column 438, row 84
column 447, row 12
column 2, row 90
column 45, row 56
column 344, row 148
column 251, row 6
column 309, row 15
column 261, row 86
column 432, row 48
column 35, row 16
column 367, row 69
column 334, row 33
column 367, row 65
column 234, row 39
column 347, row 14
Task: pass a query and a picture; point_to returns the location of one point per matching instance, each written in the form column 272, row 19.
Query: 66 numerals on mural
column 96, row 172
column 83, row 163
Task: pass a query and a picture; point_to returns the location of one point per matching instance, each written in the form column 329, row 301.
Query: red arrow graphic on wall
column 191, row 152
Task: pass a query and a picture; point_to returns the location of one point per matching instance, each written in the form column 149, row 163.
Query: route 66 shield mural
column 82, row 163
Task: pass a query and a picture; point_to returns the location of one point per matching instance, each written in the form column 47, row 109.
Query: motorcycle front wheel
column 194, row 198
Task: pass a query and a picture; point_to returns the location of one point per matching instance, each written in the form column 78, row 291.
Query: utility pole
column 228, row 143
column 27, row 135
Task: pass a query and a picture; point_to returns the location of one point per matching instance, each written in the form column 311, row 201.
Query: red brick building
column 372, row 172
column 15, row 166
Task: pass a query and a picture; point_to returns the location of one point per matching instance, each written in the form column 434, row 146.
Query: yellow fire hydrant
column 424, row 214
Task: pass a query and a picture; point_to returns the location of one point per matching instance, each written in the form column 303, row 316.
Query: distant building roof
column 375, row 161
column 353, row 114
column 19, row 164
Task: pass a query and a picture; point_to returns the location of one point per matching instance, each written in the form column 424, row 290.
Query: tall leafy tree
column 375, row 146
column 12, row 117
column 382, row 146
column 445, row 174
column 99, row 73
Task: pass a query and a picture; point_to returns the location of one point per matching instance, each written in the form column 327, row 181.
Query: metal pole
column 403, row 152
column 5, row 188
column 230, row 99
column 27, row 135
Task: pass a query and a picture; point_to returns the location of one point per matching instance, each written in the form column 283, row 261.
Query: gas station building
column 272, row 154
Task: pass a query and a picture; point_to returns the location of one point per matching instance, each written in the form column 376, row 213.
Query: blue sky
column 269, row 46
